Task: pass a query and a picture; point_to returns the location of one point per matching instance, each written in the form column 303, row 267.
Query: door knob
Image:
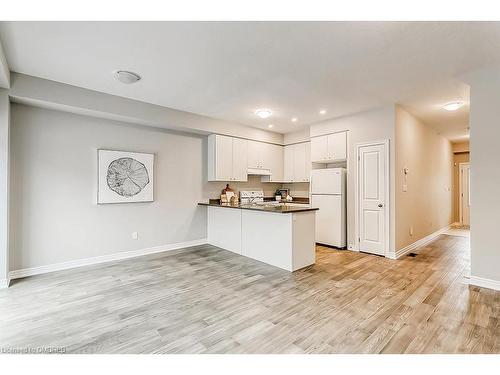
column 380, row 205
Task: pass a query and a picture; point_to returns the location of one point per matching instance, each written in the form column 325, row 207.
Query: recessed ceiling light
column 270, row 125
column 126, row 77
column 322, row 112
column 453, row 106
column 294, row 119
column 263, row 113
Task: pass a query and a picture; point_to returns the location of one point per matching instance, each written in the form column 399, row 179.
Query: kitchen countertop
column 282, row 208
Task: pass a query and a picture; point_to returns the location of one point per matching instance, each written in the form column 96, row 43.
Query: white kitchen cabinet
column 319, row 149
column 263, row 155
column 274, row 162
column 337, row 146
column 227, row 158
column 224, row 228
column 288, row 164
column 255, row 157
column 284, row 240
column 329, row 148
column 240, row 154
column 297, row 162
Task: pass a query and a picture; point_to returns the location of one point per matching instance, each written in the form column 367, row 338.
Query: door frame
column 460, row 197
column 358, row 146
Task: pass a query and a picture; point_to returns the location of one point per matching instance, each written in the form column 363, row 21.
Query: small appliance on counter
column 228, row 196
column 284, row 193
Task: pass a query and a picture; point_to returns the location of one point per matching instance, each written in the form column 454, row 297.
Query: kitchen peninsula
column 282, row 235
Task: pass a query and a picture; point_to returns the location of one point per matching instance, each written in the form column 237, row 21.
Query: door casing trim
column 460, row 198
column 387, row 203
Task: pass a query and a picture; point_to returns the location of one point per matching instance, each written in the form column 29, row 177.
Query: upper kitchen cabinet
column 227, row 158
column 267, row 160
column 256, row 155
column 329, row 148
column 297, row 162
column 273, row 160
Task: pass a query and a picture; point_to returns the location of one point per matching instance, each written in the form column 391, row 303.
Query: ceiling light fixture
column 126, row 77
column 294, row 119
column 453, row 106
column 270, row 125
column 322, row 112
column 263, row 113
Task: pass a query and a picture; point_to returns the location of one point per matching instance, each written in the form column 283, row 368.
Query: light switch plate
column 405, row 188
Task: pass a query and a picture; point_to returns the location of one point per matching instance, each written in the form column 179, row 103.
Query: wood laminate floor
column 207, row 300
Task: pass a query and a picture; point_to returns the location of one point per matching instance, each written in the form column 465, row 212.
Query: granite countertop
column 283, row 208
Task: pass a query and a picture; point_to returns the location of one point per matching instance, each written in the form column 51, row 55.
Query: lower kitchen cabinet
column 224, row 228
column 284, row 240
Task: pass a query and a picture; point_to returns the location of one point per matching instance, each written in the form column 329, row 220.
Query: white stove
column 251, row 196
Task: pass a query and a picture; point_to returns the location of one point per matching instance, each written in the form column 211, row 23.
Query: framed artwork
column 124, row 177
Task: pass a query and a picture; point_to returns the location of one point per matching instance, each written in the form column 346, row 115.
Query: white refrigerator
column 328, row 193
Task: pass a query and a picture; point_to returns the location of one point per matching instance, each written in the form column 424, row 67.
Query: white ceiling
column 227, row 70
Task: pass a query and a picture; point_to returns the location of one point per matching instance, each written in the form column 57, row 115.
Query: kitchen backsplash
column 296, row 190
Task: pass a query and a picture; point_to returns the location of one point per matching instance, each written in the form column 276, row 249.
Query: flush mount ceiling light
column 453, row 106
column 263, row 113
column 126, row 77
column 270, row 125
column 294, row 119
column 322, row 112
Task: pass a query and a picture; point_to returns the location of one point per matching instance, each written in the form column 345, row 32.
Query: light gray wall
column 374, row 125
column 4, row 70
column 4, row 186
column 54, row 214
column 485, row 174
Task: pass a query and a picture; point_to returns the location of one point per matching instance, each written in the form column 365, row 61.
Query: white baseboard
column 421, row 242
column 24, row 272
column 484, row 283
column 4, row 283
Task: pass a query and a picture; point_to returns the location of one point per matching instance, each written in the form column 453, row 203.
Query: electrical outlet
column 405, row 188
column 135, row 235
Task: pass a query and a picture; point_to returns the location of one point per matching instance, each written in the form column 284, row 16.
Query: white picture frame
column 124, row 177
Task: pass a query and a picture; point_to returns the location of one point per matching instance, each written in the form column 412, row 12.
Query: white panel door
column 224, row 158
column 465, row 194
column 372, row 199
column 288, row 164
column 329, row 219
column 239, row 160
column 337, row 146
column 319, row 149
